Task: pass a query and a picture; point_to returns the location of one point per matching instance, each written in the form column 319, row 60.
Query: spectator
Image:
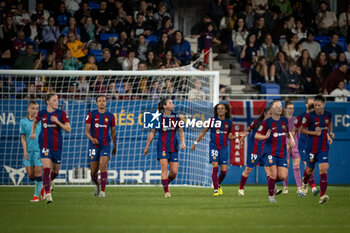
column 77, row 47
column 75, row 29
column 70, row 62
column 21, row 16
column 124, row 19
column 163, row 45
column 341, row 60
column 130, row 63
column 62, row 16
column 103, row 19
column 33, row 31
column 155, row 90
column 260, row 71
column 127, row 90
column 307, row 72
column 341, row 94
column 278, row 67
column 334, row 78
column 250, row 52
column 347, row 53
column 26, row 61
column 344, row 22
column 216, row 10
column 166, row 27
column 91, row 65
column 50, row 34
column 152, row 61
column 169, row 61
column 141, row 11
column 19, row 44
column 99, row 85
column 332, row 49
column 41, row 14
column 9, row 30
column 30, row 92
column 6, row 57
column 82, row 85
column 72, row 5
column 268, row 49
column 226, row 26
column 90, row 29
column 323, row 69
column 50, row 62
column 239, row 36
column 139, row 26
column 299, row 30
column 207, row 38
column 292, row 48
column 290, row 81
column 82, row 13
column 122, row 46
column 60, row 47
column 112, row 94
column 260, row 30
column 260, row 6
column 169, row 89
column 326, row 20
column 108, row 62
column 181, row 48
column 160, row 14
column 248, row 15
column 196, row 92
column 312, row 46
column 142, row 48
column 284, row 5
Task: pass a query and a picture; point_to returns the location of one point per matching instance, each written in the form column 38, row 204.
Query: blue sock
column 38, row 185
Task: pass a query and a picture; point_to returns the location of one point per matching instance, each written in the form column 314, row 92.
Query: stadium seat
column 43, row 51
column 19, row 86
column 94, row 5
column 104, row 37
column 270, row 88
column 347, row 87
column 95, row 51
column 5, row 67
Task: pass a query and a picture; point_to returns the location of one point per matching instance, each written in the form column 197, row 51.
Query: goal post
column 129, row 94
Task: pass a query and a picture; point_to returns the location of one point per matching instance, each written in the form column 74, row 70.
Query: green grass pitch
column 144, row 209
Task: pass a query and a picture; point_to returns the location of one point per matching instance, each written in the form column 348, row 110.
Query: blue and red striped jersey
column 275, row 145
column 51, row 134
column 297, row 124
column 313, row 122
column 100, row 127
column 167, row 137
column 219, row 135
column 255, row 146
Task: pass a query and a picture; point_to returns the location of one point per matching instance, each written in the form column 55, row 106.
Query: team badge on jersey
column 106, row 120
column 326, row 121
column 283, row 127
column 164, row 153
column 226, row 126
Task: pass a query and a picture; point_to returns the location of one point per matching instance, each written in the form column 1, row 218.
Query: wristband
column 195, row 142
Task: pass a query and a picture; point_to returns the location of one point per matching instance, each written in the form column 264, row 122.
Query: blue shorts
column 33, row 159
column 302, row 152
column 96, row 152
column 270, row 160
column 320, row 157
column 219, row 156
column 54, row 156
column 171, row 156
column 254, row 159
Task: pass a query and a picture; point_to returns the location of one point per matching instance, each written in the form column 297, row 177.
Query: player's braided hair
column 228, row 110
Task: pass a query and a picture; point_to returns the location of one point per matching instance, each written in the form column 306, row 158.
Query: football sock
column 53, row 175
column 297, row 175
column 214, row 177
column 38, row 185
column 94, row 179
column 323, row 184
column 243, row 180
column 103, row 181
column 271, row 186
column 165, row 185
column 312, row 181
column 306, row 177
column 222, row 176
column 46, row 180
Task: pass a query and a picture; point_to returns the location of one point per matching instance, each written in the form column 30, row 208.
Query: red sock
column 271, row 186
column 222, row 176
column 312, row 181
column 170, row 178
column 214, row 177
column 94, row 178
column 305, row 177
column 267, row 177
column 53, row 175
column 323, row 184
column 46, row 180
column 243, row 180
column 103, row 181
column 165, row 185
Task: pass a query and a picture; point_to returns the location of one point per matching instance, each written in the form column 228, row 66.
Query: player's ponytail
column 261, row 117
column 32, row 102
column 161, row 104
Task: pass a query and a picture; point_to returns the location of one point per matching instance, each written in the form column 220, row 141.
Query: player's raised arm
column 114, row 138
column 149, row 140
column 205, row 130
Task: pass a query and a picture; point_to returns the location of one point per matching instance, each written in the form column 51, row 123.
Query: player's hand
column 243, row 134
column 145, row 152
column 268, row 134
column 114, row 151
column 26, row 155
column 193, row 147
column 318, row 132
column 94, row 141
column 32, row 136
column 288, row 147
column 292, row 143
column 332, row 135
column 183, row 146
column 329, row 138
column 54, row 119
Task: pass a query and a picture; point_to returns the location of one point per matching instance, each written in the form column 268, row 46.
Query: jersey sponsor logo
column 219, row 132
column 273, row 128
column 324, row 158
column 45, row 125
column 317, row 123
column 102, row 126
column 278, row 134
column 44, row 119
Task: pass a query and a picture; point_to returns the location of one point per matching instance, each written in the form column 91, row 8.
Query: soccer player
column 318, row 125
column 292, row 152
column 255, row 148
column 218, row 147
column 167, row 146
column 274, row 131
column 302, row 144
column 53, row 120
column 100, row 142
column 31, row 150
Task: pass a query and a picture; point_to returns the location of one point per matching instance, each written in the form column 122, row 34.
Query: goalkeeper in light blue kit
column 31, row 150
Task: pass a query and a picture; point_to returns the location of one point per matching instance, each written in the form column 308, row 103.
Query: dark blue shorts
column 270, row 160
column 96, row 152
column 219, row 156
column 54, row 156
column 320, row 157
column 254, row 159
column 171, row 156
